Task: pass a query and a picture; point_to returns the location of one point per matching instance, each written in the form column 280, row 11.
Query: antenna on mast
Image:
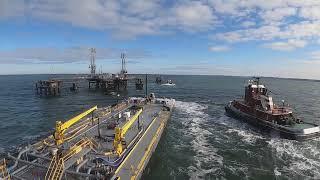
column 92, row 61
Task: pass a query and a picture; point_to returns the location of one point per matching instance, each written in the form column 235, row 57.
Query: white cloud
column 194, row 16
column 247, row 24
column 275, row 20
column 9, row 8
column 223, row 7
column 278, row 14
column 312, row 13
column 286, row 46
column 315, row 55
column 143, row 8
column 129, row 19
column 219, row 48
column 305, row 30
column 262, row 33
column 123, row 18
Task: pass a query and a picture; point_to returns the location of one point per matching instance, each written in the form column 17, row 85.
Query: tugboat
column 259, row 109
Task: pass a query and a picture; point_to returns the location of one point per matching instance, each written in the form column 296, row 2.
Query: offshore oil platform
column 49, row 87
column 114, row 142
column 55, row 87
column 114, row 82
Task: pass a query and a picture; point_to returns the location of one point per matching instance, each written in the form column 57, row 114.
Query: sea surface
column 200, row 141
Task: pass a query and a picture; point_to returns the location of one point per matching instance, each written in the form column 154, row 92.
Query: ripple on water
column 292, row 158
column 300, row 159
column 240, row 129
column 206, row 159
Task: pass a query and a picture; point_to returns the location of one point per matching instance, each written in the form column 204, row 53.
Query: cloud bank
column 241, row 20
column 124, row 18
column 279, row 25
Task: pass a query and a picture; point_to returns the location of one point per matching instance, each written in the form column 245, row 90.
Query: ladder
column 57, row 164
column 3, row 170
column 56, row 169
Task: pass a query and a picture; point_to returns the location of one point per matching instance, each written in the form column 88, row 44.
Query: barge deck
column 114, row 142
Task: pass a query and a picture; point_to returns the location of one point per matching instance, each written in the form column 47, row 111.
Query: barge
column 114, row 142
column 259, row 109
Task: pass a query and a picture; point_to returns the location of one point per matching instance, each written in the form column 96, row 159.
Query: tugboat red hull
column 267, row 126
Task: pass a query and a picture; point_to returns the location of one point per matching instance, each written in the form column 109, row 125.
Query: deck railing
column 57, row 167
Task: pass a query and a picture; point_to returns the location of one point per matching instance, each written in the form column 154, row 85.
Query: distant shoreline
column 287, row 78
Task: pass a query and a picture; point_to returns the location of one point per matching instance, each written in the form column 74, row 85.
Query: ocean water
column 200, row 141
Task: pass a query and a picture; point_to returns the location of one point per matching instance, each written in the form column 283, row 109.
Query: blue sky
column 225, row 37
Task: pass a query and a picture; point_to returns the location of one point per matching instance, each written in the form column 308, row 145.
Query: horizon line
column 278, row 77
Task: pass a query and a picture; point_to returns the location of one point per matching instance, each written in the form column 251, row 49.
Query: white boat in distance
column 169, row 83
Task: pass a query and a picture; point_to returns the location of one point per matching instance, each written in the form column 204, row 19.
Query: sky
column 279, row 38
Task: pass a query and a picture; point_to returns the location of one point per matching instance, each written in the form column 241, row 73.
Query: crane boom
column 62, row 127
column 120, row 132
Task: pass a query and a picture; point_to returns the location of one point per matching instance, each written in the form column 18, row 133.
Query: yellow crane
column 62, row 127
column 120, row 132
column 4, row 171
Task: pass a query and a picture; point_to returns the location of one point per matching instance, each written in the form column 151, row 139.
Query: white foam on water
column 302, row 159
column 245, row 135
column 276, row 172
column 207, row 161
column 239, row 128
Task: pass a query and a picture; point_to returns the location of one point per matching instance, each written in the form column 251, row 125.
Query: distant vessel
column 169, row 83
column 115, row 142
column 158, row 80
column 259, row 109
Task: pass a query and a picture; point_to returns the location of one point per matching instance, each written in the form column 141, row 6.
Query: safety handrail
column 75, row 149
column 56, row 166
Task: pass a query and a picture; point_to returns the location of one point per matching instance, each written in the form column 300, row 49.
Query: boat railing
column 55, row 169
column 75, row 149
column 120, row 106
column 57, row 165
column 280, row 110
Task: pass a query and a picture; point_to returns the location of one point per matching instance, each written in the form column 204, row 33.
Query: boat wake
column 168, row 84
column 246, row 136
column 206, row 159
column 296, row 159
column 290, row 159
column 240, row 129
